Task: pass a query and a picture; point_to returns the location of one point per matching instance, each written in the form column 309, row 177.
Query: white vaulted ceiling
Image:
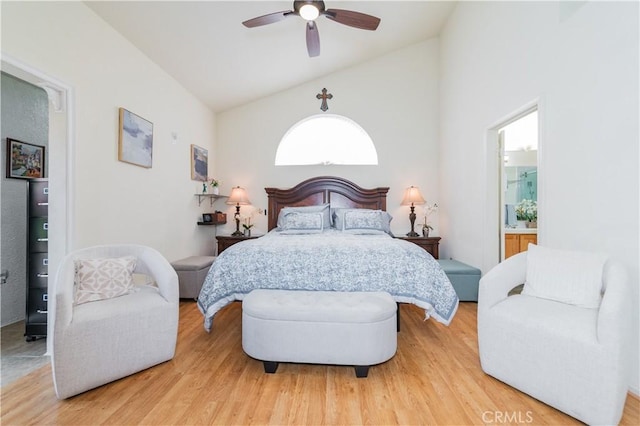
column 205, row 47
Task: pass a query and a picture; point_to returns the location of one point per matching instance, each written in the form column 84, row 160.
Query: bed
column 329, row 234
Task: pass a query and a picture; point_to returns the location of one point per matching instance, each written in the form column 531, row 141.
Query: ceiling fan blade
column 267, row 19
column 353, row 19
column 313, row 39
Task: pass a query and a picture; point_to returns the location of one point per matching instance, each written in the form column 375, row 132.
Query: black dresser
column 37, row 259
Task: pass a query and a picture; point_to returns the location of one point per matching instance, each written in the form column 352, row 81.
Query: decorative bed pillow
column 321, row 208
column 362, row 221
column 302, row 223
column 103, row 278
column 570, row 277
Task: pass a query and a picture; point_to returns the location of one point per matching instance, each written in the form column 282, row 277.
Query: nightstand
column 430, row 244
column 224, row 242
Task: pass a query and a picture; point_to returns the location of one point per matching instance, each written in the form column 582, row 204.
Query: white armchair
column 572, row 358
column 101, row 341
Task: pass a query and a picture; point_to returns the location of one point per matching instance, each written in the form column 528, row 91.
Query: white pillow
column 570, row 277
column 103, row 278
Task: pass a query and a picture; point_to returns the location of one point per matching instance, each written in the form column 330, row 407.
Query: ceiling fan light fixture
column 309, row 12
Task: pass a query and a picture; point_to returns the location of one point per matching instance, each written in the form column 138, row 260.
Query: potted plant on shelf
column 527, row 213
column 215, row 186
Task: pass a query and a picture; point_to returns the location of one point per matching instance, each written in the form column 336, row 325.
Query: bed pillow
column 103, row 278
column 362, row 221
column 570, row 277
column 321, row 208
column 302, row 223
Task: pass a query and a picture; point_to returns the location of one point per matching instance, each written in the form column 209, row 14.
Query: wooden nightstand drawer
column 224, row 242
column 430, row 244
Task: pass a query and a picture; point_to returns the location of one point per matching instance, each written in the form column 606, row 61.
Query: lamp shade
column 238, row 197
column 412, row 196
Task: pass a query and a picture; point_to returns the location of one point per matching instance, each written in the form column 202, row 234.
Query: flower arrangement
column 527, row 210
column 247, row 219
column 429, row 209
column 215, row 185
column 247, row 223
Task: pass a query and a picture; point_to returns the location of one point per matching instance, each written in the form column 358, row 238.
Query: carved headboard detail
column 339, row 192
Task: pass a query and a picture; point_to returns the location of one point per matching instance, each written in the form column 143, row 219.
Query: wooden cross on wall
column 324, row 96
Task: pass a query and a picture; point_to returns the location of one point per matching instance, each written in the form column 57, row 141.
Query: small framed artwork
column 24, row 160
column 135, row 140
column 199, row 163
column 207, row 217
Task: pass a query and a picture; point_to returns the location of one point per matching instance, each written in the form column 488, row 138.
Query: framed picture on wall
column 199, row 163
column 24, row 160
column 135, row 139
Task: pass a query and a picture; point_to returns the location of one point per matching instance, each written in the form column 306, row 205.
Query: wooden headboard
column 339, row 192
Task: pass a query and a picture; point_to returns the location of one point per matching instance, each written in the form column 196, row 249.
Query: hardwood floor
column 435, row 378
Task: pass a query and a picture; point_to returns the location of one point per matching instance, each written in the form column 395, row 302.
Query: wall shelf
column 212, row 197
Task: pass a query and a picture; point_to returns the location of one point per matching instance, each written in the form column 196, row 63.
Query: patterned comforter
column 331, row 260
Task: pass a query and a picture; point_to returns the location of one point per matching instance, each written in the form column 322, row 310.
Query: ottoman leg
column 270, row 366
column 362, row 370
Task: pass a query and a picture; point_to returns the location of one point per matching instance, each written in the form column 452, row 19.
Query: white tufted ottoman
column 319, row 327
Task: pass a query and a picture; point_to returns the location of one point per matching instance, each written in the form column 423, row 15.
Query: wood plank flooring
column 434, row 379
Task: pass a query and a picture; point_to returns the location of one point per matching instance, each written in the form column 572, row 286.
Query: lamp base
column 412, row 219
column 236, row 216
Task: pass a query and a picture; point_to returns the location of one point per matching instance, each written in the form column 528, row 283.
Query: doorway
column 60, row 163
column 518, row 193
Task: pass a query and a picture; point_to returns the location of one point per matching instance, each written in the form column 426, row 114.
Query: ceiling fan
column 310, row 10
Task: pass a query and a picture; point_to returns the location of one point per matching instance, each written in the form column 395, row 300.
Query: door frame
column 493, row 233
column 61, row 164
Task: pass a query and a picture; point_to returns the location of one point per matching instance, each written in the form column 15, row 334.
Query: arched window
column 326, row 139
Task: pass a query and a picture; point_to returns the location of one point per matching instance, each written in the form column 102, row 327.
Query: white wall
column 581, row 61
column 116, row 201
column 394, row 98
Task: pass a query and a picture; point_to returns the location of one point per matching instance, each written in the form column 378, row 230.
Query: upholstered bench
column 319, row 327
column 191, row 274
column 464, row 278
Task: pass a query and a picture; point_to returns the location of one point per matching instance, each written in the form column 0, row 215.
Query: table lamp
column 412, row 196
column 239, row 198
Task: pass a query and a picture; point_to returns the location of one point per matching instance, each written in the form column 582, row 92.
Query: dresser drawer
column 429, row 244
